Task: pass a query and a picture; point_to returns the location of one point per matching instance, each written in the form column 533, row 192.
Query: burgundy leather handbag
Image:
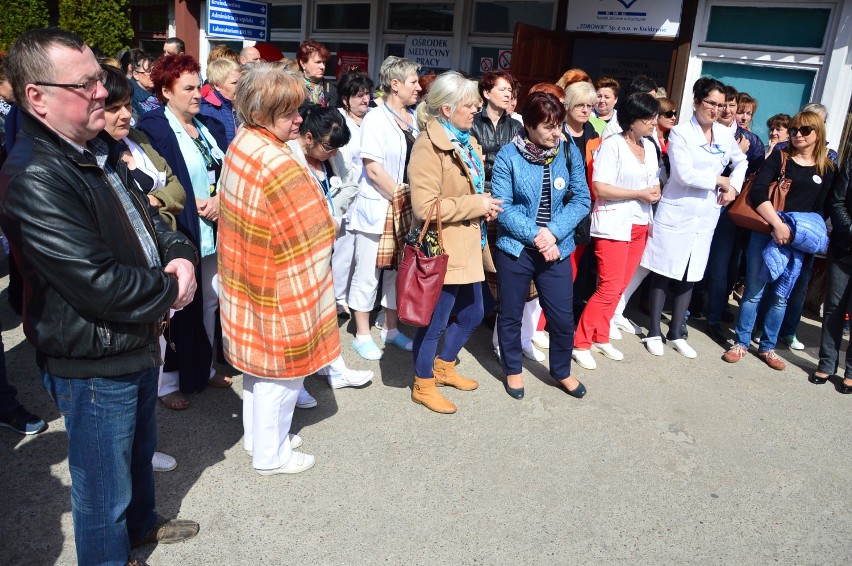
column 420, row 278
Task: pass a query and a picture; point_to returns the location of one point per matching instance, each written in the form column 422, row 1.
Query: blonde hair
column 395, row 68
column 266, row 90
column 448, row 89
column 814, row 120
column 219, row 69
column 222, row 51
column 580, row 93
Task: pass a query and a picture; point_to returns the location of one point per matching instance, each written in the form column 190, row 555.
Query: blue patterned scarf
column 461, row 139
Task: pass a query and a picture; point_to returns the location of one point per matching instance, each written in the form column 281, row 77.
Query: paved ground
column 665, row 461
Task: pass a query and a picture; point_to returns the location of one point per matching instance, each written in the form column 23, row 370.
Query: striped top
column 543, row 215
column 275, row 237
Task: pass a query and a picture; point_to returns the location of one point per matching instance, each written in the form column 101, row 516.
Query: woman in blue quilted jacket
column 543, row 201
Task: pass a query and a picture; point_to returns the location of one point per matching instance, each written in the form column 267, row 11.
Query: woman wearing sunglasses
column 682, row 228
column 811, row 173
column 665, row 122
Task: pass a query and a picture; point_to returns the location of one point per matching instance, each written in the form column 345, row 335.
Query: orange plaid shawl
column 275, row 238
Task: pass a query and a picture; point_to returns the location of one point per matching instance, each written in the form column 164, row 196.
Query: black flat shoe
column 517, row 393
column 843, row 389
column 578, row 391
column 817, row 380
column 715, row 332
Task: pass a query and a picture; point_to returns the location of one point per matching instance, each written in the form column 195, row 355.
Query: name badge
column 559, row 184
column 217, row 154
column 817, row 179
column 161, row 178
column 211, row 176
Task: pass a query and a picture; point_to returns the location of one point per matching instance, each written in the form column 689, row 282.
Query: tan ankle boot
column 445, row 374
column 425, row 393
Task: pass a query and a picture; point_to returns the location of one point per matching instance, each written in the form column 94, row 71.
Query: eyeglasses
column 804, row 130
column 669, row 113
column 88, row 87
column 714, row 105
column 142, row 71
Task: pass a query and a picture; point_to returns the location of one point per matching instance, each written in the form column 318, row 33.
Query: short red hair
column 489, row 80
column 309, row 47
column 549, row 88
column 543, row 107
column 168, row 69
column 572, row 76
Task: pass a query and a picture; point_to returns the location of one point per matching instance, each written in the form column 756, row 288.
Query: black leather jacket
column 492, row 139
column 839, row 205
column 92, row 306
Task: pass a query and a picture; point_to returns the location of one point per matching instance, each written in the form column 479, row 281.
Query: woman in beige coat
column 446, row 164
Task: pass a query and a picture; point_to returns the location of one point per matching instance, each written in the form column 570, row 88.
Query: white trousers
column 209, row 287
column 343, row 264
column 529, row 322
column 365, row 276
column 268, row 406
column 638, row 276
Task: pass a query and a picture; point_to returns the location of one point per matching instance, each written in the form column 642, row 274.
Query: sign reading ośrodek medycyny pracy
column 238, row 19
column 434, row 52
column 656, row 18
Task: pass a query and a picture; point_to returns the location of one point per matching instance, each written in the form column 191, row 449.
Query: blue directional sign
column 238, row 19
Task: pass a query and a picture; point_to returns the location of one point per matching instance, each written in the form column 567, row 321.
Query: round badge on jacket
column 559, row 184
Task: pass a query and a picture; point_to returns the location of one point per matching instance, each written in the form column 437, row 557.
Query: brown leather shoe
column 426, row 394
column 735, row 354
column 445, row 374
column 168, row 531
column 771, row 359
column 136, row 562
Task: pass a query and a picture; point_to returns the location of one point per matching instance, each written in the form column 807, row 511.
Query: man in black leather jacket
column 101, row 270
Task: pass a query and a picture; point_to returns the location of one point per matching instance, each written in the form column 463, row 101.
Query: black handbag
column 583, row 231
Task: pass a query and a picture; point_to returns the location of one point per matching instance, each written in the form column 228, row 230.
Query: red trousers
column 617, row 260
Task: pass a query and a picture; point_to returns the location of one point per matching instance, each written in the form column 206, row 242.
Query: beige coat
column 436, row 170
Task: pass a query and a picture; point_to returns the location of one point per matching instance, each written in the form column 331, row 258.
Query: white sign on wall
column 429, row 51
column 656, row 18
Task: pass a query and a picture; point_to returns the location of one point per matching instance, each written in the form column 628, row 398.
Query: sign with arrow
column 238, row 19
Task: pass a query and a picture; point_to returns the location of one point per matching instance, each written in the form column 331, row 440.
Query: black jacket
column 492, row 139
column 92, row 306
column 839, row 208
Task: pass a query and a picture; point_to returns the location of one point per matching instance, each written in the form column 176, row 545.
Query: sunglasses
column 669, row 114
column 804, row 130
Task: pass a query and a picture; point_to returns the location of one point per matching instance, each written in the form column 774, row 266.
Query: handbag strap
column 436, row 207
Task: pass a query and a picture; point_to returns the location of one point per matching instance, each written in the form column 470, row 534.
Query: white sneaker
column 305, row 401
column 682, row 348
column 654, row 345
column 541, row 340
column 350, row 378
column 793, row 342
column 584, row 359
column 608, row 350
column 163, row 462
column 614, row 332
column 533, row 353
column 298, row 462
column 623, row 324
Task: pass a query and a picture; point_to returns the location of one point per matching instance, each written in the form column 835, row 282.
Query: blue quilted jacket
column 784, row 263
column 518, row 183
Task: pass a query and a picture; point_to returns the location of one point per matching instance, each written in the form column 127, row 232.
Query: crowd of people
column 231, row 223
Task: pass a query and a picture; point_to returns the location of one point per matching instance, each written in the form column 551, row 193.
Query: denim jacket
column 518, row 183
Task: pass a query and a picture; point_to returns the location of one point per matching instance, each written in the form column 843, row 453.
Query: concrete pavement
column 665, row 461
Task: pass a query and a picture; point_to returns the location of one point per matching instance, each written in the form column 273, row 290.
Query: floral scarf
column 316, row 92
column 461, row 139
column 533, row 153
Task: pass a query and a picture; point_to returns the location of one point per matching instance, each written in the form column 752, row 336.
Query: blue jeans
column 466, row 302
column 553, row 279
column 112, row 433
column 754, row 291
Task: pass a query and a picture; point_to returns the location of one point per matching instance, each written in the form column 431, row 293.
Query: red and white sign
column 485, row 64
column 345, row 61
column 504, row 59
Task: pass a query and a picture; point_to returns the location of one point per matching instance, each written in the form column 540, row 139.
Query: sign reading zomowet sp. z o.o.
column 429, row 51
column 238, row 19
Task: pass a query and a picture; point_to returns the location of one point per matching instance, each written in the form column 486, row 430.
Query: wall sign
column 656, row 18
column 238, row 19
column 624, row 69
column 429, row 51
column 346, row 60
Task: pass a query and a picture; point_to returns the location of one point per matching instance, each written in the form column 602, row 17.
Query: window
column 776, row 26
column 501, row 16
column 420, row 17
column 285, row 17
column 342, row 17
